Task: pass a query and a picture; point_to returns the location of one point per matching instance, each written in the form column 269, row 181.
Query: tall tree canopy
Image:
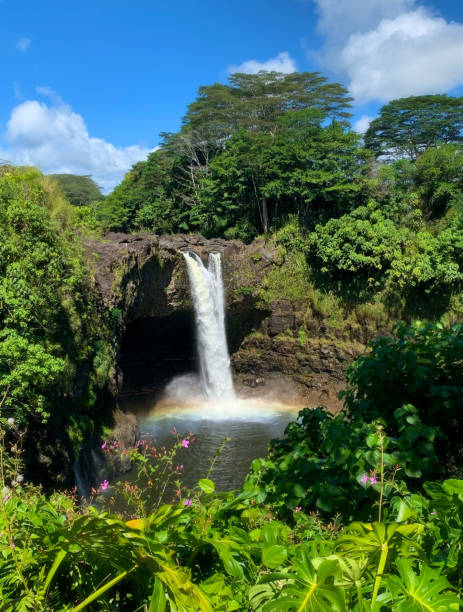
column 228, row 137
column 80, row 190
column 255, row 101
column 409, row 126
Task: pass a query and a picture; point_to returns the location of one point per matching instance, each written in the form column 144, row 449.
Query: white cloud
column 361, row 125
column 413, row 54
column 57, row 140
column 283, row 62
column 390, row 48
column 50, row 93
column 338, row 19
column 23, row 44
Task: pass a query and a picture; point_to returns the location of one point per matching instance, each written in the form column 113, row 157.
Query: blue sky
column 86, row 87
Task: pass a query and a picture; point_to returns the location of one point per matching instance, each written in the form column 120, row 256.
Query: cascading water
column 208, row 300
column 206, row 404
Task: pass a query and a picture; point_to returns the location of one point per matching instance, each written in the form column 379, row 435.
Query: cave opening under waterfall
column 153, row 351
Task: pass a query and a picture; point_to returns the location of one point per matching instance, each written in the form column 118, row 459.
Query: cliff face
column 142, row 278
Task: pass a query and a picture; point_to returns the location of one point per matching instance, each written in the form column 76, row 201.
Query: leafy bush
column 439, row 178
column 327, row 463
column 431, row 263
column 422, row 366
column 51, row 331
column 361, row 242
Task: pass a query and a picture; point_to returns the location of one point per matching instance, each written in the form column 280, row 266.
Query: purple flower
column 185, row 443
column 187, row 502
column 364, row 479
column 115, row 443
column 373, row 480
column 297, row 508
column 104, row 446
column 138, row 444
column 104, row 485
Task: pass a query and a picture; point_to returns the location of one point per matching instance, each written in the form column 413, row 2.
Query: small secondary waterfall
column 208, row 300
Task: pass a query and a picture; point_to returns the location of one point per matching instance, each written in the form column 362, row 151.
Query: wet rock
column 254, row 381
column 281, row 318
column 144, row 277
column 126, row 433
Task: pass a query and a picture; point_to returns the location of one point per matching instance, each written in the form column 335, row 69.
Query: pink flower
column 364, row 479
column 180, row 467
column 187, row 502
column 185, row 443
column 297, row 508
column 6, row 498
column 115, row 443
column 104, row 446
column 104, row 485
column 373, row 480
column 138, row 444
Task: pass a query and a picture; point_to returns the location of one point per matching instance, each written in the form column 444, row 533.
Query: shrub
column 361, row 242
column 421, row 365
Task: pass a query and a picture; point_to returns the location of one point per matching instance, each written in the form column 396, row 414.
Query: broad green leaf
column 426, row 591
column 273, row 556
column 158, row 598
column 206, row 485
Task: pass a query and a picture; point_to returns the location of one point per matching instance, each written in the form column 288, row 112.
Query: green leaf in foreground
column 423, row 592
column 273, row 556
column 206, row 485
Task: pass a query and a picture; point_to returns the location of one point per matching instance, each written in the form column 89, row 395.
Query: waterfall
column 208, row 300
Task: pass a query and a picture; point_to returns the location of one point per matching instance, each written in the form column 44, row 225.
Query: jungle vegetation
column 359, row 511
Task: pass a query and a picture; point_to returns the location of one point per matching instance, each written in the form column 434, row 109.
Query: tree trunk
column 265, row 214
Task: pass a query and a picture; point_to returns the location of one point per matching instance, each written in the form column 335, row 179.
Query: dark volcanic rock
column 125, row 432
column 281, row 317
column 143, row 277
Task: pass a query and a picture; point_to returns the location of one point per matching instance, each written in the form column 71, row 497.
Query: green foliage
column 410, row 126
column 431, row 263
column 253, row 549
column 50, row 326
column 247, row 153
column 439, row 179
column 317, row 169
column 424, row 591
column 80, row 190
column 361, row 242
column 255, row 102
column 142, row 200
column 324, row 461
column 421, row 366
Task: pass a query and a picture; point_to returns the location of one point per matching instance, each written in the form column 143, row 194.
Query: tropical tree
column 304, row 168
column 409, row 126
column 255, row 101
column 439, row 179
column 80, row 190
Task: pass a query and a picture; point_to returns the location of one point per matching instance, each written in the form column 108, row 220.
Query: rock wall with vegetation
column 56, row 341
column 270, row 329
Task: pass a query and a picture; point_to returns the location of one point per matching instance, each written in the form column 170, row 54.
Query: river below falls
column 248, row 423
